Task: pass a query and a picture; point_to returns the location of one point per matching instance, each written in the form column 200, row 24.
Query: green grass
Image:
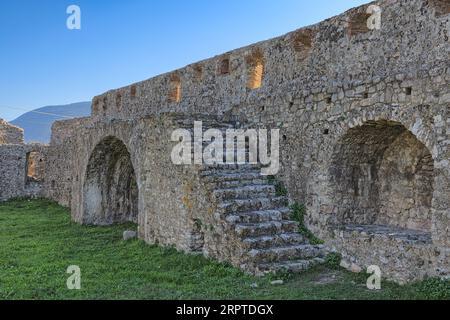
column 38, row 242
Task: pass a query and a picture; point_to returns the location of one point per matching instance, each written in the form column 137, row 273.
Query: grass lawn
column 38, row 242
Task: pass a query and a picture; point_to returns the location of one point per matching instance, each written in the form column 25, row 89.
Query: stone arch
column 382, row 174
column 110, row 189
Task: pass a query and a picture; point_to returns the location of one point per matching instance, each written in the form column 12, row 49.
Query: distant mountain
column 37, row 123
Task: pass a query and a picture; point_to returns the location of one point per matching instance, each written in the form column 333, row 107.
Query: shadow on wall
column 382, row 174
column 110, row 191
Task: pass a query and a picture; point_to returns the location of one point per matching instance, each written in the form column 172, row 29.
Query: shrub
column 298, row 214
column 434, row 288
column 333, row 260
column 280, row 190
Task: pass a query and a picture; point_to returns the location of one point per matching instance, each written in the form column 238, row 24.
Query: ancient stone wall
column 364, row 117
column 22, row 170
column 62, row 174
column 10, row 134
column 124, row 168
column 22, row 167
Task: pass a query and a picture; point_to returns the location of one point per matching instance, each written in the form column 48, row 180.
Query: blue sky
column 124, row 41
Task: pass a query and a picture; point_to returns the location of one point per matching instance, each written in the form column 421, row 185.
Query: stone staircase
column 260, row 220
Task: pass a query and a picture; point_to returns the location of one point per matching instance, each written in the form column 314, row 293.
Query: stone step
column 227, row 174
column 247, row 205
column 224, row 179
column 278, row 214
column 230, row 167
column 279, row 240
column 239, row 183
column 247, row 192
column 292, row 266
column 248, row 230
column 293, row 252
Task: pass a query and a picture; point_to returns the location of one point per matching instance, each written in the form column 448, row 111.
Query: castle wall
column 316, row 84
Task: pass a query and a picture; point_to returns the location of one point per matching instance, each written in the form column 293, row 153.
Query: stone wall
column 10, row 134
column 141, row 158
column 22, row 167
column 365, row 145
column 62, row 172
column 15, row 169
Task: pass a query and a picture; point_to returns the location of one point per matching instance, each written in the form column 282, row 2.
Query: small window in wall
column 35, row 167
column 133, row 91
column 255, row 66
column 118, row 99
column 358, row 22
column 175, row 88
column 224, row 66
column 441, row 7
column 105, row 104
column 198, row 72
column 302, row 43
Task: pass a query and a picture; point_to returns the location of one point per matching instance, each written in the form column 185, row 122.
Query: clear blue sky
column 124, row 41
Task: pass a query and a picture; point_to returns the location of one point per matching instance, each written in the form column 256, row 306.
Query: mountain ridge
column 37, row 123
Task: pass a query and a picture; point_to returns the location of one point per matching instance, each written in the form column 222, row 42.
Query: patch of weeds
column 280, row 189
column 333, row 260
column 434, row 288
column 283, row 275
column 198, row 224
column 298, row 214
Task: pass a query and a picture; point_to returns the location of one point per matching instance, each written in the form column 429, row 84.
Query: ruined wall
column 10, row 134
column 325, row 86
column 14, row 170
column 22, row 167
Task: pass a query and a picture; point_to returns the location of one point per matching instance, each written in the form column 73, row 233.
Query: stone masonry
column 10, row 134
column 22, row 167
column 365, row 145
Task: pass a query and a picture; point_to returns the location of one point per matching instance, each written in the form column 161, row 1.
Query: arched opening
column 224, row 66
column 382, row 178
column 110, row 191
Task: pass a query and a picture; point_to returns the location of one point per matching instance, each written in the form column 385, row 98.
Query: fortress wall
column 323, row 86
column 311, row 77
column 310, row 63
